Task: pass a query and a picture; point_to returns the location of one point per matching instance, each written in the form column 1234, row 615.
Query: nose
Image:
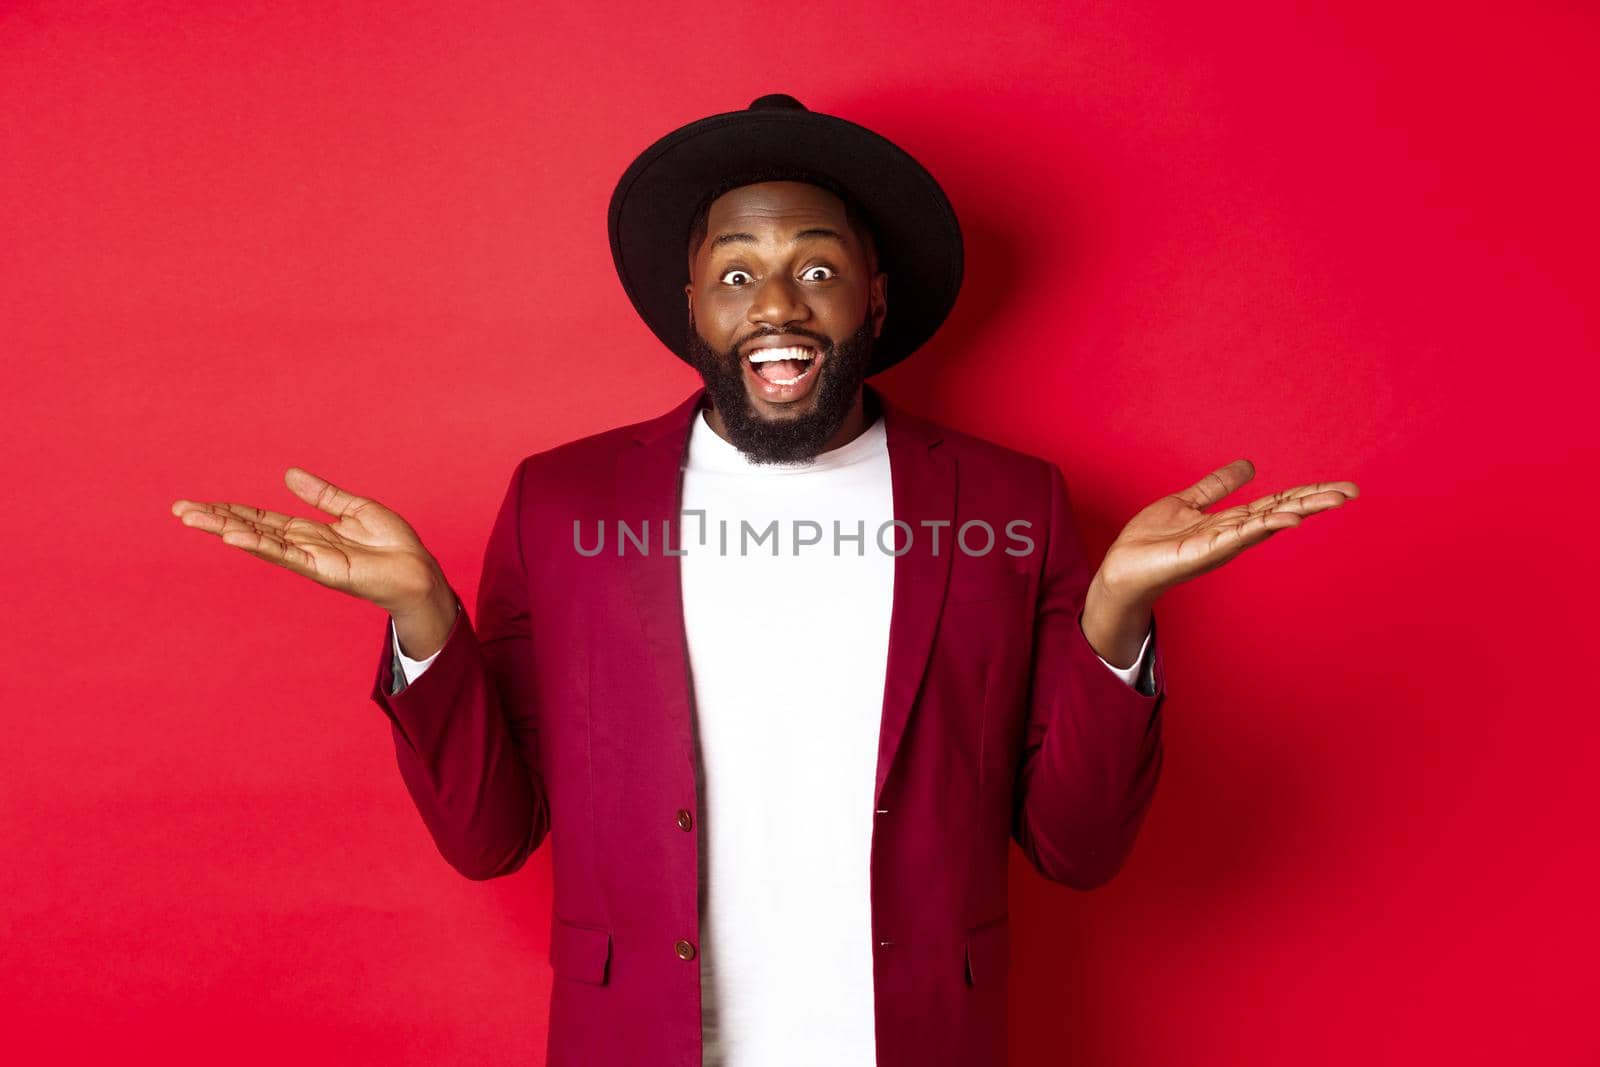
column 778, row 301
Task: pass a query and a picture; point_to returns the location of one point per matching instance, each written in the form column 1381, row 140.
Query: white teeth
column 769, row 355
column 791, row 381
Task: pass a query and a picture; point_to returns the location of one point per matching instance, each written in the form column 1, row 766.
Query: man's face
column 782, row 272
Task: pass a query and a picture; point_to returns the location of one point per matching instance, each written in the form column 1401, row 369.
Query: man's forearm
column 1115, row 624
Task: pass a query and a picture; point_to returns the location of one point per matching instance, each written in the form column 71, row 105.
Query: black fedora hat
column 913, row 225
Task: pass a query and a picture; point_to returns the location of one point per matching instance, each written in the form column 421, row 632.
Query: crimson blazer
column 564, row 711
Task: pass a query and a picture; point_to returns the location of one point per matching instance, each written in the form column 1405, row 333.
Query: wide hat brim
column 915, row 228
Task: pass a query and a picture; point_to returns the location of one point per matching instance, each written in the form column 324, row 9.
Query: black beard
column 799, row 439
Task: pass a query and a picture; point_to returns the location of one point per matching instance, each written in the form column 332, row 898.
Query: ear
column 879, row 302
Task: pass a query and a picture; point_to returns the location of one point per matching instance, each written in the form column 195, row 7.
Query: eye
column 828, row 273
column 729, row 273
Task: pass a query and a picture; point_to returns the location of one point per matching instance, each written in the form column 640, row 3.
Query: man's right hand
column 368, row 552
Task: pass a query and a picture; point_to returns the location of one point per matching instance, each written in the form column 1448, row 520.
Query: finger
column 1347, row 490
column 220, row 518
column 203, row 517
column 269, row 548
column 1218, row 484
column 321, row 493
column 1289, row 513
column 183, row 508
column 261, row 517
column 263, row 542
column 1260, row 527
column 1305, row 499
column 222, row 510
column 278, row 544
column 1236, row 528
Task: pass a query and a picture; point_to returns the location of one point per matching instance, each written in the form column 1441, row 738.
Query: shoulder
column 583, row 456
column 982, row 459
column 585, row 462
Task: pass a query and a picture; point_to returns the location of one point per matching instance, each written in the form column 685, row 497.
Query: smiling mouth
column 783, row 366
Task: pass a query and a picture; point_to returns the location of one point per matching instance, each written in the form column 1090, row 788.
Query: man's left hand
column 1174, row 539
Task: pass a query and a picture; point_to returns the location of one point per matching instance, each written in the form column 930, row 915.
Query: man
column 782, row 672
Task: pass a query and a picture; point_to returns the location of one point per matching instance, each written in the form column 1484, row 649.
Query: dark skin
column 788, row 279
column 370, row 552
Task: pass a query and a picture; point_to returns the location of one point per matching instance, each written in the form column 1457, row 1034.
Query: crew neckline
column 708, row 451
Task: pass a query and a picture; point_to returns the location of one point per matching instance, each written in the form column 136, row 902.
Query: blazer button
column 685, row 821
column 685, row 950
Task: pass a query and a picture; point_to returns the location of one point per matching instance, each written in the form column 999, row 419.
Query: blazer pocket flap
column 579, row 952
column 989, row 952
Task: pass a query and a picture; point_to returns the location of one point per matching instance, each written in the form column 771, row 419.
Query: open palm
column 1175, row 539
column 369, row 551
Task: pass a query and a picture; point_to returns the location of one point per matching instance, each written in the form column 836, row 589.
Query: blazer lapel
column 924, row 480
column 648, row 486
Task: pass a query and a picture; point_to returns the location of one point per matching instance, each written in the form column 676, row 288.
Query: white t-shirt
column 788, row 653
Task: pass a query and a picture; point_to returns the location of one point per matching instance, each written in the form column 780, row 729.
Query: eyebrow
column 750, row 238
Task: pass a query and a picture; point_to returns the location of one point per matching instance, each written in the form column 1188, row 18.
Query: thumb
column 321, row 493
column 1218, row 484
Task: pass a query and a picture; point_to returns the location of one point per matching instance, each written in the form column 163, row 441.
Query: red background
column 1354, row 242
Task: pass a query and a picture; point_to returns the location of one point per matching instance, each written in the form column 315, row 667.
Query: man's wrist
column 422, row 631
column 1116, row 622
